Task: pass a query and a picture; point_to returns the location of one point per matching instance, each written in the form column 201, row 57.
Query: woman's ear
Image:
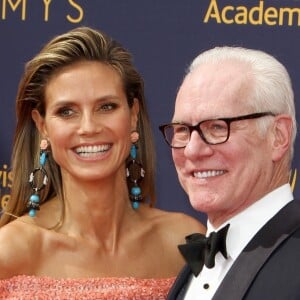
column 39, row 122
column 135, row 113
column 282, row 136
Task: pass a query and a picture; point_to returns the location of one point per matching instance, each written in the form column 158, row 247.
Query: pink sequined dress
column 38, row 288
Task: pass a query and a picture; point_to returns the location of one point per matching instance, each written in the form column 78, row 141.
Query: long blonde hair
column 79, row 44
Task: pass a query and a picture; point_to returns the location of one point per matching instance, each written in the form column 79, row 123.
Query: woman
column 85, row 224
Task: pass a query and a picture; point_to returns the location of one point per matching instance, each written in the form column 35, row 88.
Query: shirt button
column 206, row 286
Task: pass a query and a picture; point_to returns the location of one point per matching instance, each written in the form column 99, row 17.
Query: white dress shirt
column 242, row 229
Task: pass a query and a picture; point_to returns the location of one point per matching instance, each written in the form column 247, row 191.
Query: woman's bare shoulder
column 176, row 225
column 183, row 224
column 167, row 230
column 18, row 241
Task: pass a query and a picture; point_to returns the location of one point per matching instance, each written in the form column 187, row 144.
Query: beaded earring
column 34, row 200
column 135, row 172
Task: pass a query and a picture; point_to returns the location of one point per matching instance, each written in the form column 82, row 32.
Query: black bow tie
column 200, row 249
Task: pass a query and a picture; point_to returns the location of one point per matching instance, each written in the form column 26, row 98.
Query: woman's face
column 88, row 121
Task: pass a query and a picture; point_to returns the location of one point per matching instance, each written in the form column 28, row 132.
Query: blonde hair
column 79, row 44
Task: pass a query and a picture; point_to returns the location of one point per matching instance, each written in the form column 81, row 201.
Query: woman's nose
column 88, row 124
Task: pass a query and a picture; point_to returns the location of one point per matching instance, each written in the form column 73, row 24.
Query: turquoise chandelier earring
column 135, row 173
column 34, row 201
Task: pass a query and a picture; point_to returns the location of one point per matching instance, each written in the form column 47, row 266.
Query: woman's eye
column 65, row 112
column 108, row 106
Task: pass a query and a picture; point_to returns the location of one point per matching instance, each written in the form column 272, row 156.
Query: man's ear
column 282, row 131
column 39, row 122
column 135, row 113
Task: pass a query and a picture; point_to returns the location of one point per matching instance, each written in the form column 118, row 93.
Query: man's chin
column 200, row 206
column 203, row 204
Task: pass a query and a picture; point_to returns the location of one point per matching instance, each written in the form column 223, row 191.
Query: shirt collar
column 247, row 223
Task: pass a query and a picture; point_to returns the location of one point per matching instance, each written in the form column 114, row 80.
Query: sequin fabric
column 44, row 288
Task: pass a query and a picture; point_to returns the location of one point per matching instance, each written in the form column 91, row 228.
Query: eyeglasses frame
column 228, row 121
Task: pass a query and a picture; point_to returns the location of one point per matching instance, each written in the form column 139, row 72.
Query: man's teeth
column 90, row 150
column 207, row 174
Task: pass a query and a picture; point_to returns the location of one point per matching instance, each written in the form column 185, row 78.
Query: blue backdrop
column 163, row 36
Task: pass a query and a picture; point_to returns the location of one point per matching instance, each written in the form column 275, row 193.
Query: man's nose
column 197, row 146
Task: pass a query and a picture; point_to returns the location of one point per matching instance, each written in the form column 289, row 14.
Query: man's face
column 222, row 179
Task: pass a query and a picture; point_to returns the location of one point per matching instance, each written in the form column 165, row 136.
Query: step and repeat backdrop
column 163, row 36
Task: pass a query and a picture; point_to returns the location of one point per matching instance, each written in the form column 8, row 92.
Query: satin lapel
column 249, row 262
column 178, row 289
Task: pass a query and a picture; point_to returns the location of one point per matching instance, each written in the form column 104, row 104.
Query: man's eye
column 215, row 125
column 218, row 127
column 181, row 129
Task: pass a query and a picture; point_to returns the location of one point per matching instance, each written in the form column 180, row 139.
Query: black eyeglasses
column 212, row 132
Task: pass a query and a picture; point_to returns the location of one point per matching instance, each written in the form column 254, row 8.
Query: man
column 232, row 138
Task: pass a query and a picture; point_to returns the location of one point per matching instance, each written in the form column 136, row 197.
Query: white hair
column 272, row 91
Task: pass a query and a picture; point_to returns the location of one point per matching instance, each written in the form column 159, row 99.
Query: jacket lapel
column 178, row 289
column 249, row 262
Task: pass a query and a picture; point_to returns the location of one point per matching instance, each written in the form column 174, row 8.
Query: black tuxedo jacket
column 267, row 269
